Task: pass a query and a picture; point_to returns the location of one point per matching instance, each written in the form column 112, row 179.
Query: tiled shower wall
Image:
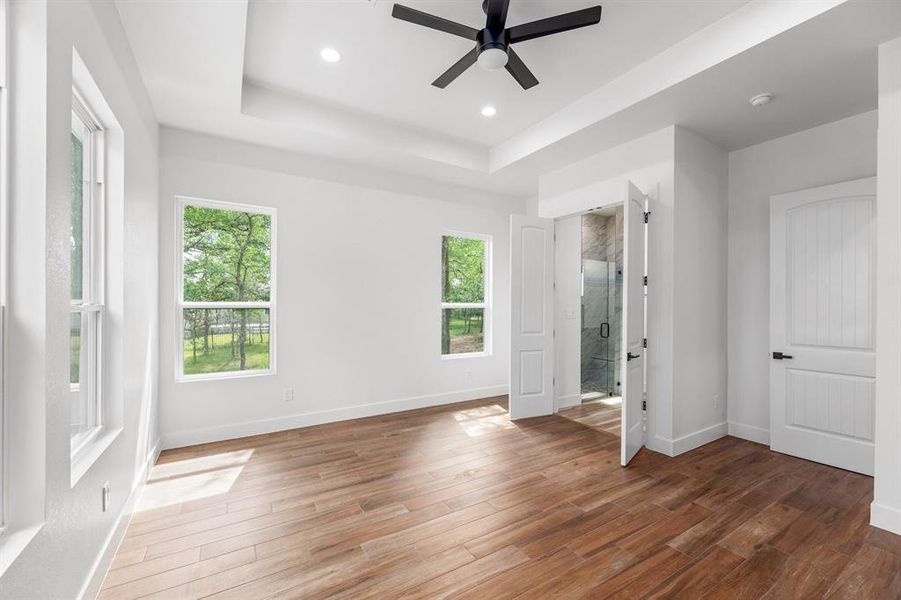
column 602, row 264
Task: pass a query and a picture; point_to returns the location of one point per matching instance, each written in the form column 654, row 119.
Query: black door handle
column 630, row 356
column 780, row 356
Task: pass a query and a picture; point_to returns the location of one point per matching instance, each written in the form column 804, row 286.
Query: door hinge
column 644, row 343
column 647, row 215
column 644, row 405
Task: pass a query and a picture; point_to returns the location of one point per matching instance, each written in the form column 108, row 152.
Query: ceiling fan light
column 493, row 59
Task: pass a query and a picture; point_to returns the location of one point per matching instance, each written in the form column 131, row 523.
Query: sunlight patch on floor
column 484, row 419
column 192, row 479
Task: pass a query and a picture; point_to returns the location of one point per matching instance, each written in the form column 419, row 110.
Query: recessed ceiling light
column 488, row 111
column 330, row 55
column 761, row 99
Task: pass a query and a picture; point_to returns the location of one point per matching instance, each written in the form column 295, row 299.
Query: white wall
column 70, row 542
column 686, row 179
column 886, row 507
column 567, row 311
column 599, row 180
column 358, row 296
column 826, row 154
column 699, row 327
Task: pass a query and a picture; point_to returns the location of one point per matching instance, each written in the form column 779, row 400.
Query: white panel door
column 532, row 313
column 633, row 361
column 822, row 324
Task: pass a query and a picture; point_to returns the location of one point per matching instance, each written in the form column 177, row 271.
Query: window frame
column 4, row 250
column 485, row 305
column 89, row 389
column 181, row 305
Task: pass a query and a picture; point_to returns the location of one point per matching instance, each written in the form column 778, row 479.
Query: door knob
column 630, row 356
column 780, row 356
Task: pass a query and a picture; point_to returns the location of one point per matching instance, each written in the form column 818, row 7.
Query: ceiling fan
column 493, row 49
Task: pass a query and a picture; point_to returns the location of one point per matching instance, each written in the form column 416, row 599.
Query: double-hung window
column 86, row 250
column 466, row 294
column 225, row 289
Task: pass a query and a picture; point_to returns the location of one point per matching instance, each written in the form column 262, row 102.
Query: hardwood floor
column 604, row 414
column 458, row 501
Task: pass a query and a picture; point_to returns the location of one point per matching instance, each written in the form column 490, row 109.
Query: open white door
column 532, row 316
column 633, row 360
column 823, row 324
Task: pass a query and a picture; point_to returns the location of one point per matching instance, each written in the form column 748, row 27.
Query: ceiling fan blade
column 552, row 25
column 497, row 14
column 457, row 69
column 431, row 21
column 519, row 70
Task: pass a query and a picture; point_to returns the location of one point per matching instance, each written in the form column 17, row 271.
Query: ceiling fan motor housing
column 487, row 39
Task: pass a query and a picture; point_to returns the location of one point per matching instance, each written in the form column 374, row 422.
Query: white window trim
column 485, row 305
column 4, row 236
column 87, row 445
column 180, row 305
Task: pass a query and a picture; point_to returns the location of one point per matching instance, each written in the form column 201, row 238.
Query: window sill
column 229, row 375
column 12, row 544
column 465, row 355
column 88, row 454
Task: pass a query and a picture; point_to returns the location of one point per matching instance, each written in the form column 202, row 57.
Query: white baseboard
column 688, row 442
column 567, row 401
column 750, row 433
column 885, row 517
column 191, row 437
column 699, row 438
column 660, row 444
column 92, row 585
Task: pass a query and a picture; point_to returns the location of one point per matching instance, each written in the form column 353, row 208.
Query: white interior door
column 822, row 324
column 532, row 316
column 633, row 361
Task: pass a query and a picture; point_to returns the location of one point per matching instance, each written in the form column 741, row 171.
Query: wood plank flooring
column 458, row 501
column 604, row 414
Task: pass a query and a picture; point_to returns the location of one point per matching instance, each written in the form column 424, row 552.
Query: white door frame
column 634, row 368
column 532, row 371
column 834, row 422
column 611, row 198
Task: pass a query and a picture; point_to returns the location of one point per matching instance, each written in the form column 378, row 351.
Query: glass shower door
column 600, row 329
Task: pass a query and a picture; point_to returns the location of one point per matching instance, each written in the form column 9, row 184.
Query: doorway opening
column 546, row 344
column 601, row 319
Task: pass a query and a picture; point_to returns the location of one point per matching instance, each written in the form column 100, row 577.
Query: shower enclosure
column 601, row 304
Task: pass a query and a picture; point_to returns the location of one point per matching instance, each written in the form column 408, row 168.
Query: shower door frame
column 611, row 366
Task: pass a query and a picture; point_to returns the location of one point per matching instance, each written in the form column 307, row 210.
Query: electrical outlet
column 569, row 314
column 289, row 394
column 105, row 496
column 716, row 401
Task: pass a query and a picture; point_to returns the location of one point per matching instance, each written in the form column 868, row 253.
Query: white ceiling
column 387, row 65
column 252, row 72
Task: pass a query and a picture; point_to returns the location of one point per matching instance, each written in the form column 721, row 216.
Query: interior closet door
column 633, row 360
column 823, row 324
column 532, row 316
